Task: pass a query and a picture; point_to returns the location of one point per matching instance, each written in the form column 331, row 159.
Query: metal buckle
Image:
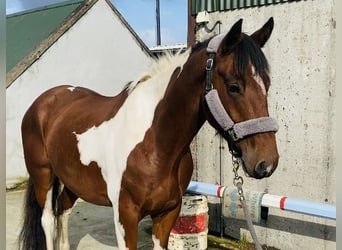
column 209, row 65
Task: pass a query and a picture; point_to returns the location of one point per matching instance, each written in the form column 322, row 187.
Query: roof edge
column 42, row 47
column 43, row 8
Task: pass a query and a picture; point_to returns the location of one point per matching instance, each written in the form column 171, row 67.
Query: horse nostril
column 263, row 170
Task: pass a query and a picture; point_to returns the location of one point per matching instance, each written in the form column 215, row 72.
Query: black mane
column 248, row 51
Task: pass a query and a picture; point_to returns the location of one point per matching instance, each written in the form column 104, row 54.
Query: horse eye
column 233, row 88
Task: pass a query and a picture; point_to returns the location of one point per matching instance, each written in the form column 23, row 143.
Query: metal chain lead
column 238, row 182
column 237, row 178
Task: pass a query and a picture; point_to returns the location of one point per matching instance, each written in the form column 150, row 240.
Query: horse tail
column 32, row 236
column 55, row 195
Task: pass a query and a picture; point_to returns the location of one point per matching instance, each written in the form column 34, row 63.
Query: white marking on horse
column 71, row 88
column 156, row 243
column 48, row 221
column 111, row 142
column 259, row 80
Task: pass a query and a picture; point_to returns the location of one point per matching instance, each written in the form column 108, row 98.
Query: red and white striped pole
column 317, row 209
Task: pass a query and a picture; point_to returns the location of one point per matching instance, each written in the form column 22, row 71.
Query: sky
column 140, row 14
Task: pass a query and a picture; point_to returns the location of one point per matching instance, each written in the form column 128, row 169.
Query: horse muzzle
column 261, row 160
column 264, row 169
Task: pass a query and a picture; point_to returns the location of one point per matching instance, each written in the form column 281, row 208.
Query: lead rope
column 238, row 182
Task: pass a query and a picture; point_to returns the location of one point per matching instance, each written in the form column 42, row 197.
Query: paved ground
column 90, row 226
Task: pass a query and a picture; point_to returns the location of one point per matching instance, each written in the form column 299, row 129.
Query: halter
column 236, row 131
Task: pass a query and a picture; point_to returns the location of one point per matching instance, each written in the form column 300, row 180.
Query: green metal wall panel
column 222, row 5
column 26, row 30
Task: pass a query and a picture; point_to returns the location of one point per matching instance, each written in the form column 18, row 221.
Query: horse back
column 76, row 108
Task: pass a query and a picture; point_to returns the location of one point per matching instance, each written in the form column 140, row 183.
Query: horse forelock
column 245, row 53
column 248, row 52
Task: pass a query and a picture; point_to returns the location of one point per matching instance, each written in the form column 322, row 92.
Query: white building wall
column 97, row 52
column 301, row 54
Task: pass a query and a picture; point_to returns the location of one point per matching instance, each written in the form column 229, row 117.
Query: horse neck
column 179, row 115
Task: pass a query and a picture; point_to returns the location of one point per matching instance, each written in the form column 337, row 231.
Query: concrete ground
column 90, row 226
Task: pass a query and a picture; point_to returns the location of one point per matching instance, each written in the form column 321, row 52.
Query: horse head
column 237, row 82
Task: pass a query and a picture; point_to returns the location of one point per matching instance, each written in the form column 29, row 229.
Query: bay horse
column 131, row 151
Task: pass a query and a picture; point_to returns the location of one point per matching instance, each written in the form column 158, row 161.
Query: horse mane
column 164, row 64
column 246, row 51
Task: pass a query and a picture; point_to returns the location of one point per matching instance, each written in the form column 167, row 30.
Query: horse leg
column 163, row 223
column 66, row 201
column 63, row 237
column 57, row 207
column 39, row 222
column 32, row 235
column 48, row 221
column 126, row 223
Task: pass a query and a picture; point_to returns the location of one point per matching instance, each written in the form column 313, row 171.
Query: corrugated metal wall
column 221, row 5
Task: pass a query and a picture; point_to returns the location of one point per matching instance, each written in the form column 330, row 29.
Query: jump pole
column 317, row 209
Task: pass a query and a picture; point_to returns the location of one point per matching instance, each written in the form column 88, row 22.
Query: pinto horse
column 131, row 151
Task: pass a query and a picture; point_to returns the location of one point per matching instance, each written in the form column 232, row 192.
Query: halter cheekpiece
column 236, row 131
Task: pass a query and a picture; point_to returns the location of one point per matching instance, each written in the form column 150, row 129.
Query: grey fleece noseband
column 236, row 131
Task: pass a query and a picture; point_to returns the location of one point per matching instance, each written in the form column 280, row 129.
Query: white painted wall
column 98, row 52
column 301, row 53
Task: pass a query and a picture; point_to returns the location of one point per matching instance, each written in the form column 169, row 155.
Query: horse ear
column 262, row 35
column 232, row 38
